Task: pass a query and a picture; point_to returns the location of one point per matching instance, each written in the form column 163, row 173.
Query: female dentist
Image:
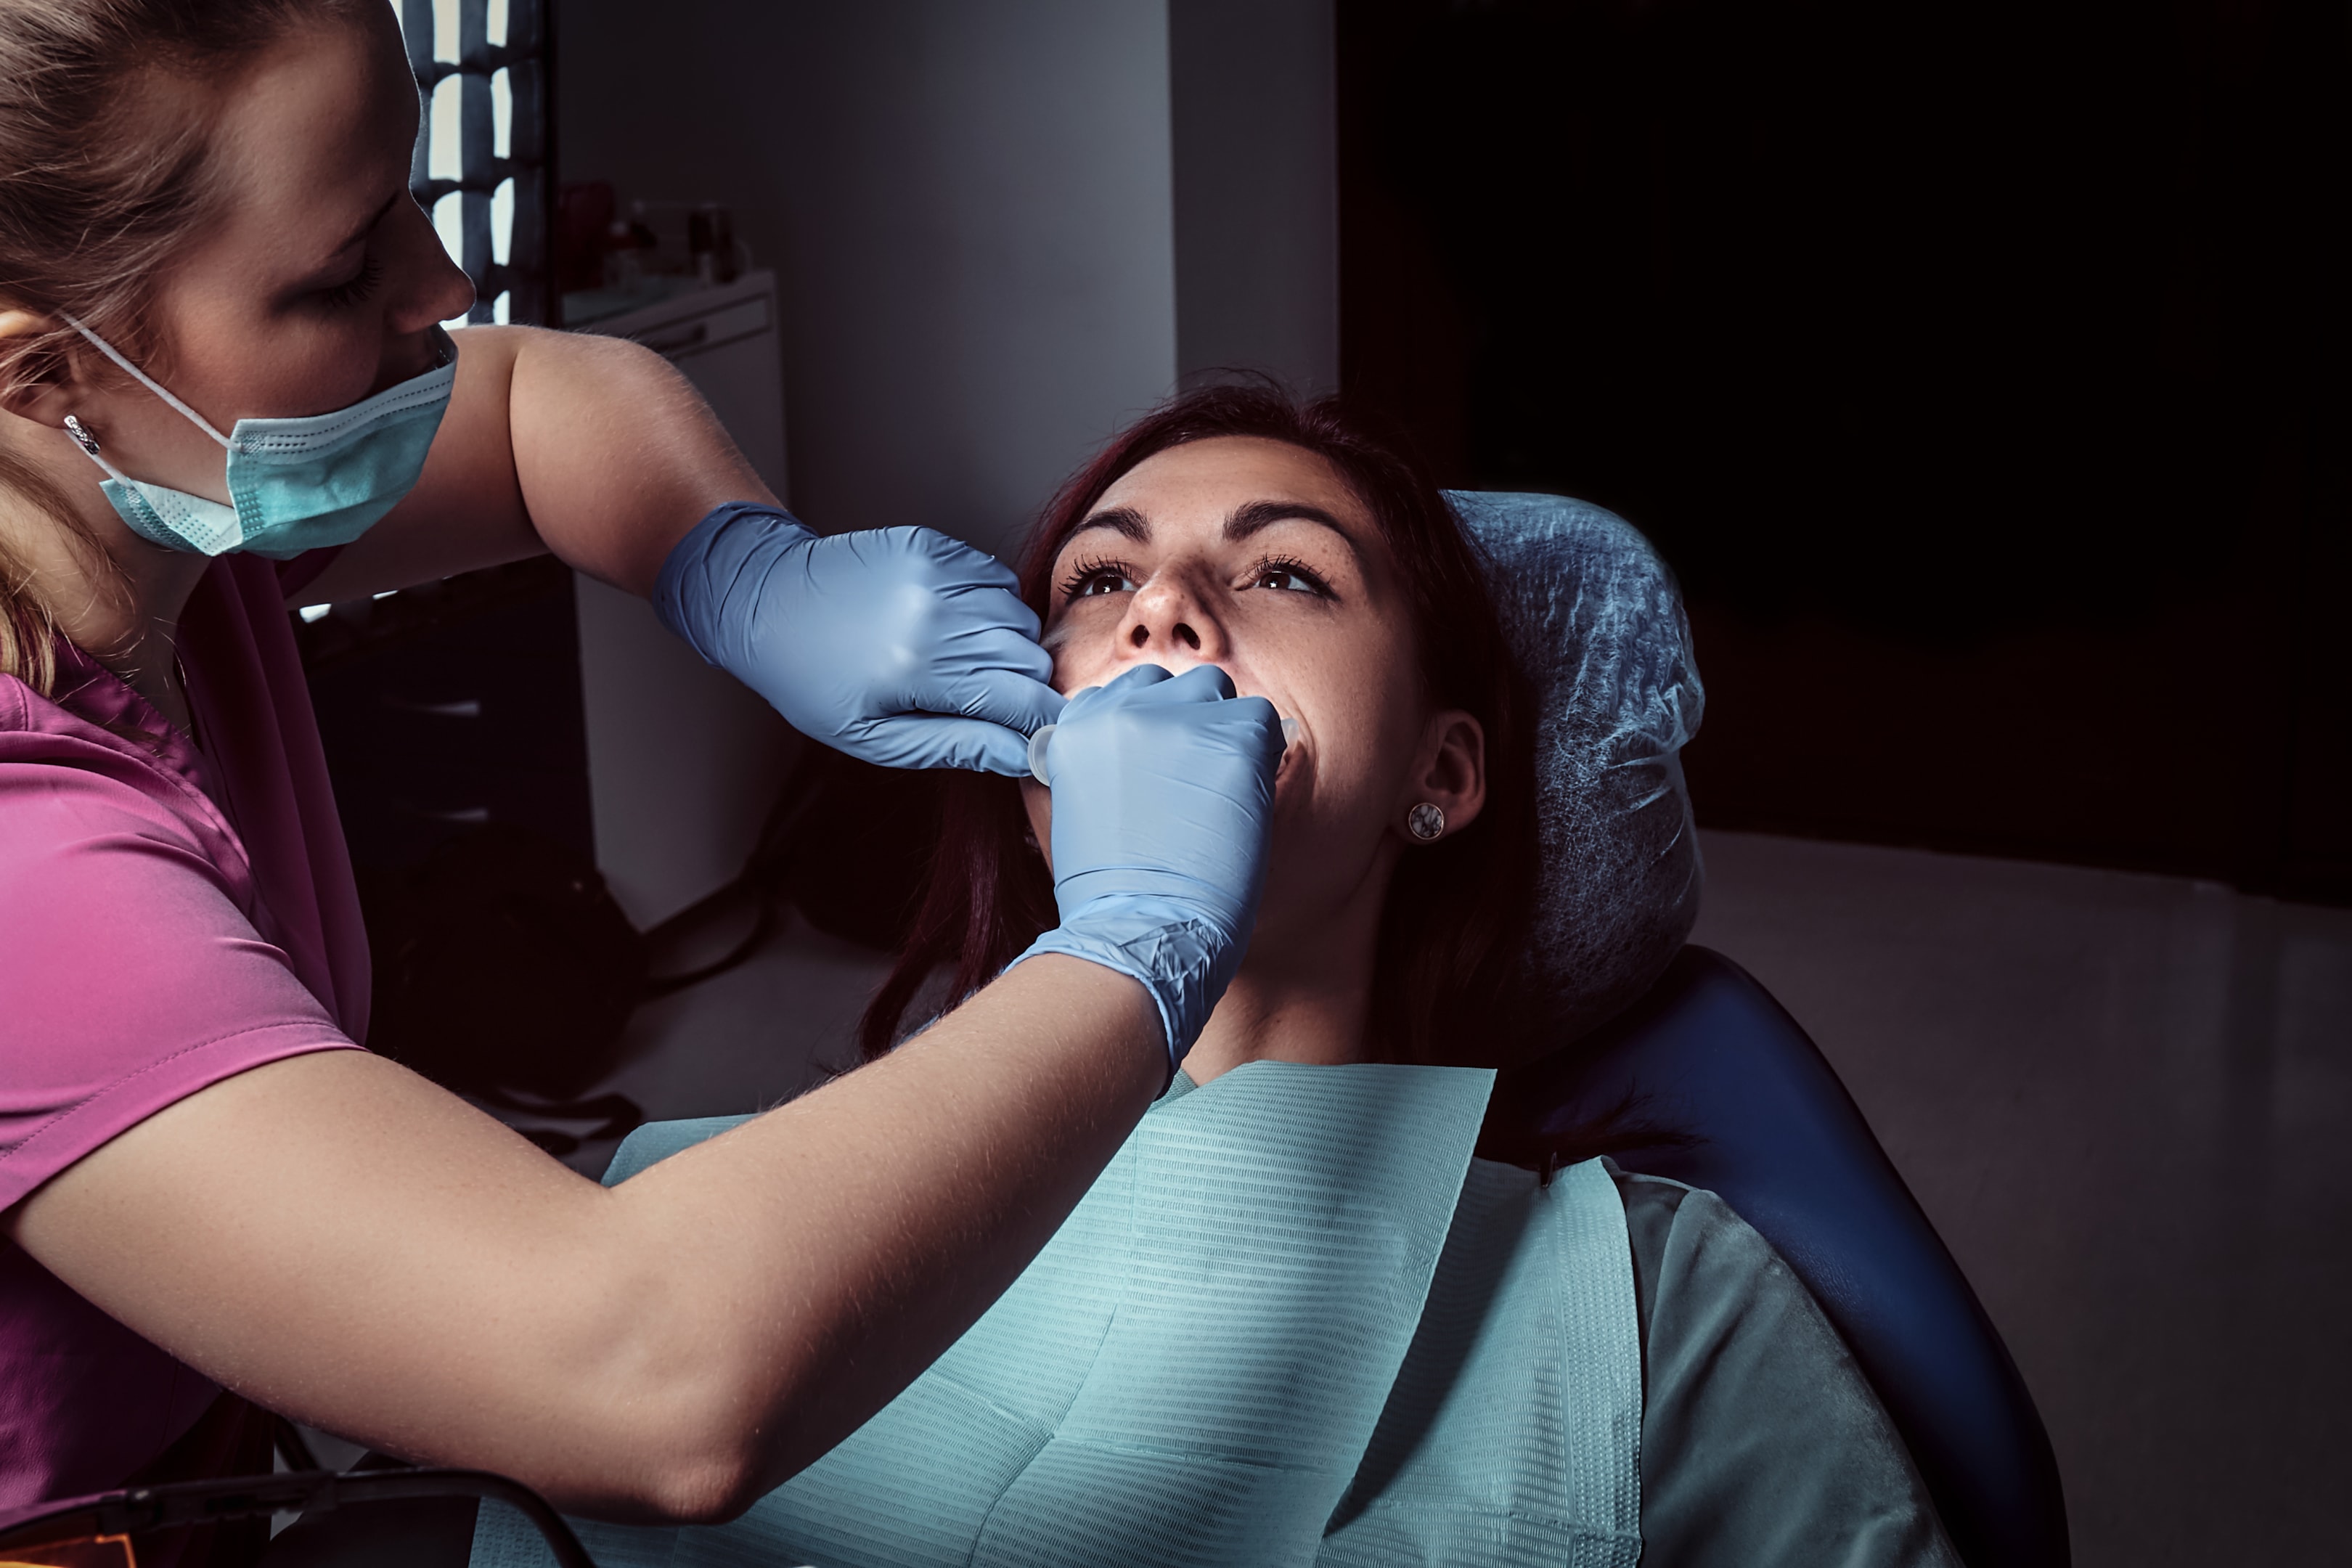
column 222, row 389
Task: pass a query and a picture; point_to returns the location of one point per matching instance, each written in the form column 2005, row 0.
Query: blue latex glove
column 1163, row 791
column 900, row 645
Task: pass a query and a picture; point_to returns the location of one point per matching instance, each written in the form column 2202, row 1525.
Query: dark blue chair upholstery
column 1595, row 621
column 1710, row 1054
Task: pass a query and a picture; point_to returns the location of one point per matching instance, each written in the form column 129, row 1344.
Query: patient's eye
column 1092, row 578
column 1289, row 577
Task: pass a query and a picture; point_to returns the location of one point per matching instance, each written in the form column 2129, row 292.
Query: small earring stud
column 81, row 436
column 1426, row 821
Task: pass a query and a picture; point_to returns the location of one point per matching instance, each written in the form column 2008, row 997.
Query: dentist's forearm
column 335, row 1239
column 592, row 448
column 616, row 454
column 879, row 1217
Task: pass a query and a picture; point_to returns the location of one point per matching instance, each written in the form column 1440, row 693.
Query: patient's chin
column 1037, row 805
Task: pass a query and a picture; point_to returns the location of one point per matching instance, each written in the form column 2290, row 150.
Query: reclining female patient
column 1402, row 1353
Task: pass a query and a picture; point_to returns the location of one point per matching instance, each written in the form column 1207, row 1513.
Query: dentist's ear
column 35, row 384
column 1449, row 776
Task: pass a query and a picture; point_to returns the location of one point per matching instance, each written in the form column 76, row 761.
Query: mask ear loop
column 143, row 379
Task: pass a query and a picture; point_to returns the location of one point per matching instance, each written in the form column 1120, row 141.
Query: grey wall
column 1254, row 100
column 1001, row 227
column 1000, row 236
column 969, row 205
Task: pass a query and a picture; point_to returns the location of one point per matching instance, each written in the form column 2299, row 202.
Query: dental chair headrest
column 1596, row 623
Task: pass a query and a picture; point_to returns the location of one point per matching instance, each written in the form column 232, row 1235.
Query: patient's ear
column 1450, row 773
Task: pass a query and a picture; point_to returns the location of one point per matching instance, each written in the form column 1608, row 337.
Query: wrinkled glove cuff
column 709, row 584
column 1183, row 960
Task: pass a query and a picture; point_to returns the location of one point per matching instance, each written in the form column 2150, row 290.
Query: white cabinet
column 682, row 760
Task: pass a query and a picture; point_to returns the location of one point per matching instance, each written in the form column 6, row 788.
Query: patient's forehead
column 1202, row 480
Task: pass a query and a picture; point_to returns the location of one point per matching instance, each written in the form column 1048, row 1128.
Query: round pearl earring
column 1425, row 822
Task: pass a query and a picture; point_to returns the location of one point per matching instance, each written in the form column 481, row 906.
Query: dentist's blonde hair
column 101, row 186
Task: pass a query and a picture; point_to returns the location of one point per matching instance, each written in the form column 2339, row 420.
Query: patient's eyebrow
column 1251, row 516
column 1122, row 520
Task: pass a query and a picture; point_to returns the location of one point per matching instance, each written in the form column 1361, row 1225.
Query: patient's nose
column 1165, row 620
column 1142, row 637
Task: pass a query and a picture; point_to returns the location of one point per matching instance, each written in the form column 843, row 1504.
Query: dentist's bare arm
column 338, row 1240
column 593, row 448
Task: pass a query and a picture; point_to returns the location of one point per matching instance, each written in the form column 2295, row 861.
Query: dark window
column 482, row 157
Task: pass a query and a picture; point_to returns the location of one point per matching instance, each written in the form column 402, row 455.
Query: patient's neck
column 1303, row 996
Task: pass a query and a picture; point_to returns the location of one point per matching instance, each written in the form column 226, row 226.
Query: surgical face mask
column 295, row 484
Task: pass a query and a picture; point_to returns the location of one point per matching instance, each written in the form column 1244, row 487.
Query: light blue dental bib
column 1293, row 1322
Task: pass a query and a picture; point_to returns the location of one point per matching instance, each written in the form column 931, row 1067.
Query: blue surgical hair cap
column 1595, row 620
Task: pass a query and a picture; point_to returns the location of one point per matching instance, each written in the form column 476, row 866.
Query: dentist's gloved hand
column 1163, row 791
column 900, row 646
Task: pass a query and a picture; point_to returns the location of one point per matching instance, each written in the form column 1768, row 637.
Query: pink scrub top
column 168, row 917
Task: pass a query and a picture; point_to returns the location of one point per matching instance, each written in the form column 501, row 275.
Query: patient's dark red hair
column 1457, row 914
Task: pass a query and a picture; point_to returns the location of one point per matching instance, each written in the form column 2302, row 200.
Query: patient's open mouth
column 1042, row 739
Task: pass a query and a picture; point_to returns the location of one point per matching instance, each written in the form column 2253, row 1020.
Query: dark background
column 1980, row 368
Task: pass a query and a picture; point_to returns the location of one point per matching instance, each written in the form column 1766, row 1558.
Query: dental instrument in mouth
column 1043, row 736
